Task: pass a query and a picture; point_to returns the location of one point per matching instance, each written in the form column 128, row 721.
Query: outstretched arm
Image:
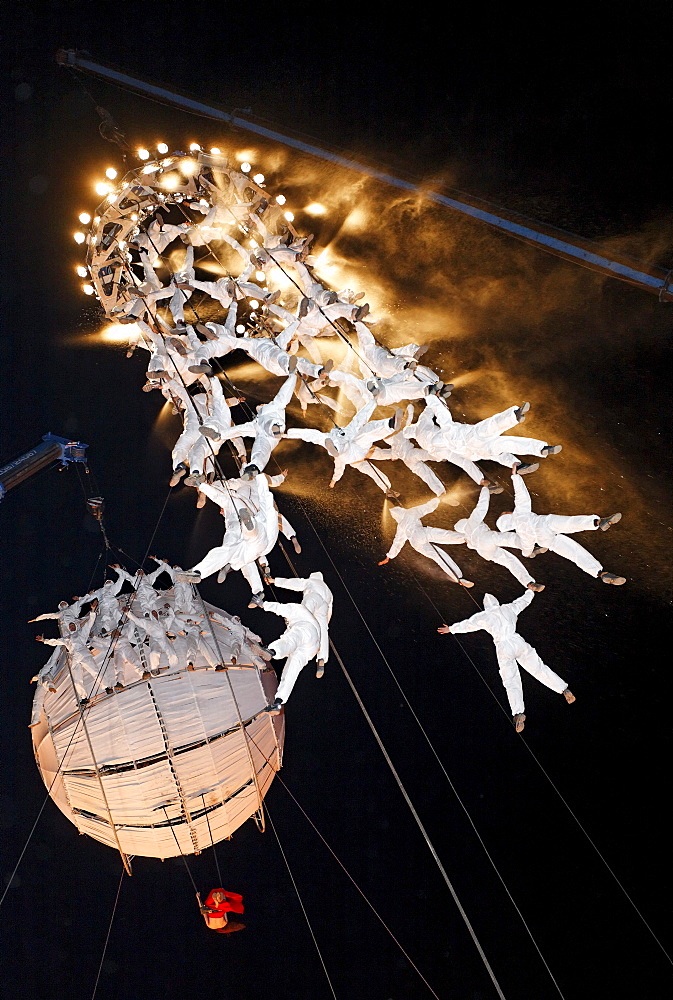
column 472, row 624
column 521, row 603
column 481, row 510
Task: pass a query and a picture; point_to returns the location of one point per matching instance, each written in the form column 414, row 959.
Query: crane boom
column 569, row 246
column 51, row 449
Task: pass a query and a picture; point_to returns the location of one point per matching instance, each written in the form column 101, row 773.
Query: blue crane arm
column 51, row 449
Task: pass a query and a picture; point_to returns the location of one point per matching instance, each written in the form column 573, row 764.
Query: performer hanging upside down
column 318, row 600
column 300, row 642
column 267, row 428
column 425, row 539
column 216, row 909
column 500, row 622
column 536, row 533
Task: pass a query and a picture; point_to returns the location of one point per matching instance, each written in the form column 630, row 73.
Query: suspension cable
column 107, row 936
column 301, row 903
column 212, row 842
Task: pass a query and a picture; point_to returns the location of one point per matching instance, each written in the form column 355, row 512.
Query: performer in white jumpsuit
column 381, row 361
column 269, row 355
column 66, row 613
column 45, row 682
column 425, row 539
column 350, row 445
column 79, row 654
column 145, row 597
column 318, row 600
column 400, row 448
column 267, row 428
column 126, row 660
column 488, row 544
column 549, row 531
column 107, row 611
column 159, row 641
column 299, row 643
column 244, row 541
column 485, row 440
column 511, row 649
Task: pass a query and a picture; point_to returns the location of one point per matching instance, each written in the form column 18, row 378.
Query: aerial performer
column 465, row 444
column 266, row 428
column 300, row 642
column 425, row 539
column 537, row 533
column 489, row 544
column 400, row 448
column 80, row 655
column 217, row 907
column 318, row 600
column 351, row 445
column 512, row 650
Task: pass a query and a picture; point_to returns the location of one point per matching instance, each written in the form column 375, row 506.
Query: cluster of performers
column 271, row 305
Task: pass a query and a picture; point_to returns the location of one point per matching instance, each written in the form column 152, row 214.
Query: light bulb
column 143, row 154
column 88, row 289
column 84, row 218
column 289, row 216
column 240, row 328
column 246, row 168
column 79, row 237
column 215, row 151
column 315, row 208
column 280, row 199
column 260, row 275
column 111, row 173
column 162, row 148
column 194, row 147
column 258, row 178
column 254, row 304
column 102, row 188
column 81, row 271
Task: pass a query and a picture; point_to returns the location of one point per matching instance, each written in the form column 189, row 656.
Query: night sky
column 567, row 124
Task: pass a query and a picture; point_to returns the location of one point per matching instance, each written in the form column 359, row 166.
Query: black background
column 565, row 121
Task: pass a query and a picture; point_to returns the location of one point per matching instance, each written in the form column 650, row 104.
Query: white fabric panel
column 125, row 728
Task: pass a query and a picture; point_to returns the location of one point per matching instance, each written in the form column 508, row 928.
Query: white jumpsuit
column 79, row 655
column 299, row 643
column 159, row 641
column 484, row 439
column 549, row 530
column 269, row 416
column 424, row 538
column 272, row 357
column 242, row 546
column 352, row 443
column 317, row 599
column 510, row 648
column 488, row 544
column 400, row 448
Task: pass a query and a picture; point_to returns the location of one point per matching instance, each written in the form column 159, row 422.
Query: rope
column 76, row 727
column 107, row 936
column 212, row 842
column 184, row 859
column 555, row 788
column 301, row 903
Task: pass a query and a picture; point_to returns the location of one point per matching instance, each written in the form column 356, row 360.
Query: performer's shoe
column 519, row 722
column 326, row 368
column 146, row 675
column 537, row 588
column 360, row 312
column 201, row 500
column 446, row 390
column 250, row 472
column 607, row 522
column 151, row 384
column 276, row 708
column 537, row 551
column 195, row 479
column 296, row 545
column 525, row 468
column 551, row 449
column 292, row 363
column 187, row 576
column 83, row 702
column 493, row 488
column 119, row 686
column 392, row 494
column 222, row 575
column 201, row 369
column 178, row 473
column 108, row 690
column 320, row 668
column 569, row 696
column 257, row 600
column 245, row 518
column 521, row 411
column 205, row 331
column 465, row 583
column 209, row 432
column 612, row 578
